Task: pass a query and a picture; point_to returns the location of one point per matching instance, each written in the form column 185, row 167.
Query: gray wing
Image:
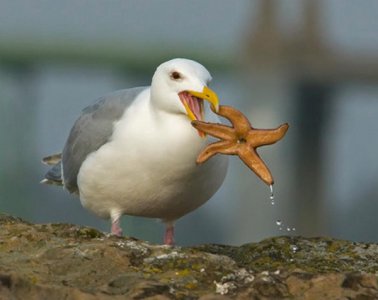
column 92, row 130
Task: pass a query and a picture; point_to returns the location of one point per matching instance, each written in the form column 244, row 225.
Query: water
column 281, row 226
column 294, row 248
column 279, row 222
column 271, row 197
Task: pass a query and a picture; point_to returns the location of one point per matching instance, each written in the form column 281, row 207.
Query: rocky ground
column 62, row 261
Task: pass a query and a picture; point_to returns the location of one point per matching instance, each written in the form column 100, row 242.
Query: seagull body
column 134, row 151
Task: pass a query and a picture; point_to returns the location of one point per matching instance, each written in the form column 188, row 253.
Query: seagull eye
column 176, row 75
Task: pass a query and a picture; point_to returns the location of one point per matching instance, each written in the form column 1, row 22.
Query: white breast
column 148, row 168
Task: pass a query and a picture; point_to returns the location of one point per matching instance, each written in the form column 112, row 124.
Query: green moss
column 309, row 254
column 82, row 258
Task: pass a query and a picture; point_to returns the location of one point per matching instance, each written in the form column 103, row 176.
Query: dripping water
column 280, row 224
column 271, row 197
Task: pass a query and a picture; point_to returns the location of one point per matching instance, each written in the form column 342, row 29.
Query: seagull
column 133, row 152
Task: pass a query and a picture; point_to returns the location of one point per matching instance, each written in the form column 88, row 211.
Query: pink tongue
column 195, row 106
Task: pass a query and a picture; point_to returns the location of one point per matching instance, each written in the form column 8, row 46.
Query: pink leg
column 169, row 236
column 116, row 227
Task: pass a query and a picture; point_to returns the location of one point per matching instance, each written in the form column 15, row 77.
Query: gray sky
column 349, row 24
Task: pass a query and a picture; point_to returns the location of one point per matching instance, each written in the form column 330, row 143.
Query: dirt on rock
column 62, row 261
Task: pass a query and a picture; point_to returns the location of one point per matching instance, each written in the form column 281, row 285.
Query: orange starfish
column 240, row 139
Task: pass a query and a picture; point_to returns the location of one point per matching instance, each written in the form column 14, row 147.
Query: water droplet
column 288, row 229
column 279, row 222
column 294, row 248
column 271, row 192
column 293, row 229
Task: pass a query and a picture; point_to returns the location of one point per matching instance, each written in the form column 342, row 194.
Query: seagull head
column 180, row 86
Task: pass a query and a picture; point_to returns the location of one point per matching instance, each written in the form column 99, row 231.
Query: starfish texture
column 239, row 139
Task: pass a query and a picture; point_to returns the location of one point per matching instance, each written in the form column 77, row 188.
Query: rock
column 62, row 261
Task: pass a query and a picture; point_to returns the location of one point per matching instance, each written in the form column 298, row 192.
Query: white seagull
column 134, row 151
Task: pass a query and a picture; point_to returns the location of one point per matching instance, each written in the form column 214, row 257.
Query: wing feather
column 93, row 129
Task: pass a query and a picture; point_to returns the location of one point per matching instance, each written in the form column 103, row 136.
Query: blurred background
column 313, row 64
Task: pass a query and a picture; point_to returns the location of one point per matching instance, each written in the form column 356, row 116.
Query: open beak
column 209, row 95
column 193, row 103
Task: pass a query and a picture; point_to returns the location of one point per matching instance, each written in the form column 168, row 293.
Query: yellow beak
column 209, row 95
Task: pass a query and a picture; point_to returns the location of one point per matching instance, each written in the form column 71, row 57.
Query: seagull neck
column 160, row 101
column 154, row 98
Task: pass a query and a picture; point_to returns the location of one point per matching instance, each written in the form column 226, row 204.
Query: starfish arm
column 251, row 158
column 237, row 119
column 222, row 147
column 217, row 130
column 261, row 137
